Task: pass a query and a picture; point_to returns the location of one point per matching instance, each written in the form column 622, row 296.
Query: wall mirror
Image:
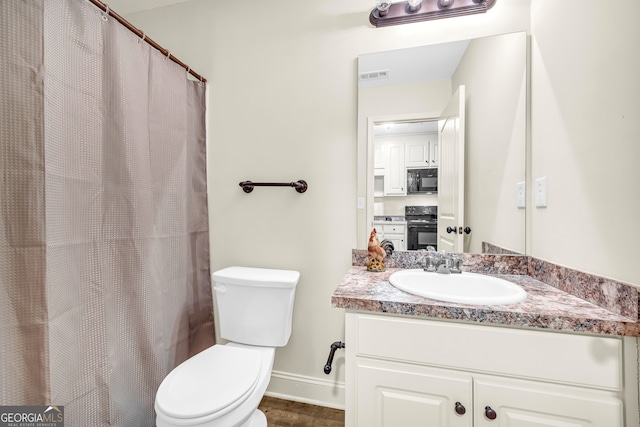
column 402, row 101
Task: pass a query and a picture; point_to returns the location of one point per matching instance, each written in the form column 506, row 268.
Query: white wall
column 585, row 131
column 282, row 106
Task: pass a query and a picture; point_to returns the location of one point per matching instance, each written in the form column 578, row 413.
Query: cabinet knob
column 460, row 409
column 490, row 413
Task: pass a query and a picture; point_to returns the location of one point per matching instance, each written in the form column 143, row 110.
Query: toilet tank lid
column 252, row 276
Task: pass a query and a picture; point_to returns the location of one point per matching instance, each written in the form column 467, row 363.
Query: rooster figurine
column 376, row 253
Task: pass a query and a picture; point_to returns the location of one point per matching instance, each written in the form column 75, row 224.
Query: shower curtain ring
column 200, row 84
column 168, row 55
column 105, row 15
column 143, row 37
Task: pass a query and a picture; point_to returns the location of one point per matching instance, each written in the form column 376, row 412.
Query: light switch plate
column 360, row 202
column 541, row 192
column 521, row 195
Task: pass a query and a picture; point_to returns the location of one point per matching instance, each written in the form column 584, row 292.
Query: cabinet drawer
column 393, row 228
column 580, row 360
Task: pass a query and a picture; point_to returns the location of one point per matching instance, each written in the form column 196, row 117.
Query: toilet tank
column 255, row 305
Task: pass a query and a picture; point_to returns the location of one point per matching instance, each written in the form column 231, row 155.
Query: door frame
column 372, row 121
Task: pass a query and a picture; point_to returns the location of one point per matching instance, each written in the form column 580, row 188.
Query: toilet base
column 258, row 419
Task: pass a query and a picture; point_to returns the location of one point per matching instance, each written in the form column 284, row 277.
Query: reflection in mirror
column 401, row 97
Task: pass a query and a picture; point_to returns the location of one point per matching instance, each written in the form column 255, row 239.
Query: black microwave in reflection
column 422, row 181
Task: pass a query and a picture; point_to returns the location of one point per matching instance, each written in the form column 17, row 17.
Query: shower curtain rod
column 141, row 34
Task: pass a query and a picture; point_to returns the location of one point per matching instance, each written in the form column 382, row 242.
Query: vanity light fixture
column 387, row 13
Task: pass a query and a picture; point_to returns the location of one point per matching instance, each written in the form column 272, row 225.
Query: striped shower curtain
column 104, row 253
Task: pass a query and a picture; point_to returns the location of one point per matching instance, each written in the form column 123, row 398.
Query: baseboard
column 300, row 388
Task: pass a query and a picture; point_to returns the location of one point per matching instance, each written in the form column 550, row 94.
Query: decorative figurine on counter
column 388, row 247
column 376, row 253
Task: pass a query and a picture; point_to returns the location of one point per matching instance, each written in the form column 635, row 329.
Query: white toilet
column 222, row 386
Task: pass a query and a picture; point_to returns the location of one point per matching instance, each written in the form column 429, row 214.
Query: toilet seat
column 209, row 384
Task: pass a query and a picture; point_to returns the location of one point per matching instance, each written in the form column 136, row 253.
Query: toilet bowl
column 223, row 385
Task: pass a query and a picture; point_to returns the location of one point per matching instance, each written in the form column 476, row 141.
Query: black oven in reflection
column 422, row 227
column 421, row 235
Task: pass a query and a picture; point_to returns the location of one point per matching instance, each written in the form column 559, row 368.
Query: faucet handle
column 430, row 263
column 455, row 265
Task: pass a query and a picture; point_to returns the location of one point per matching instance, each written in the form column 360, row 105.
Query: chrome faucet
column 441, row 263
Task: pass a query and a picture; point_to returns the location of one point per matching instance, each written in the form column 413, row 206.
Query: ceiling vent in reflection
column 373, row 75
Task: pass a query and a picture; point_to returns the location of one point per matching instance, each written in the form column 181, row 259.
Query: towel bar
column 300, row 185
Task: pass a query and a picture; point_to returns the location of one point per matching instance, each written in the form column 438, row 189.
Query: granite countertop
column 389, row 218
column 546, row 306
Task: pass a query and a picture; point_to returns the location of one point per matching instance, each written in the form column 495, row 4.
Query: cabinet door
column 379, row 156
column 396, row 233
column 398, row 242
column 400, row 395
column 395, row 176
column 417, row 154
column 433, row 152
column 520, row 403
column 422, row 153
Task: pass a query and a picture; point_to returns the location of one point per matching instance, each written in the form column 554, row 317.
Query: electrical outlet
column 541, row 192
column 521, row 200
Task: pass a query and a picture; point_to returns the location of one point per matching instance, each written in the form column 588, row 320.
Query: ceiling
column 432, row 62
column 405, row 128
column 412, row 65
column 126, row 7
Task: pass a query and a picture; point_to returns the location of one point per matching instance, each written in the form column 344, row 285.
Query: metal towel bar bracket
column 300, row 185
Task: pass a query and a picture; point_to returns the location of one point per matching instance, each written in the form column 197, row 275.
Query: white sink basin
column 464, row 288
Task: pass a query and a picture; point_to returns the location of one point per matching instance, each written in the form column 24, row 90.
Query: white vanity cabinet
column 407, row 371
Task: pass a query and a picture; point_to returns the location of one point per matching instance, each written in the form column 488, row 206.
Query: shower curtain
column 104, row 257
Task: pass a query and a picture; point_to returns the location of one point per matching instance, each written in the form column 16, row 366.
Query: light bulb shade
column 414, row 5
column 383, row 6
column 444, row 4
